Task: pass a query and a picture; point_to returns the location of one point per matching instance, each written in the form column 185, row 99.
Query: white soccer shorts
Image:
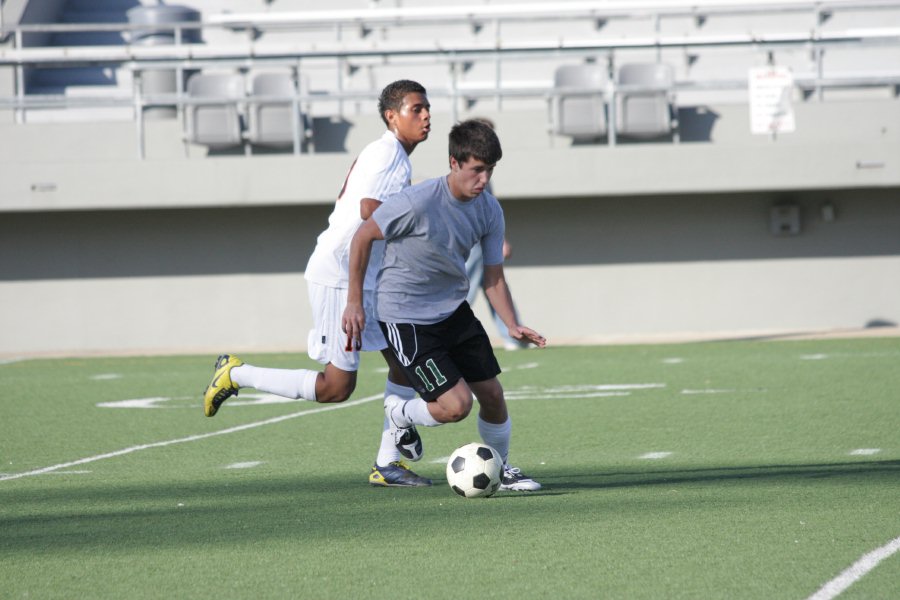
column 327, row 342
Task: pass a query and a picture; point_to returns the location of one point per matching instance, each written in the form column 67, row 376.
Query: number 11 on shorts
column 439, row 378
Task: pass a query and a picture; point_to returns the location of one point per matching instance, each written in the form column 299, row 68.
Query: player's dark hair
column 392, row 95
column 485, row 120
column 475, row 139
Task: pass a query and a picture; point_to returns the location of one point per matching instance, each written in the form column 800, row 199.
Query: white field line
column 190, row 438
column 244, row 465
column 856, row 571
column 865, row 451
column 655, row 455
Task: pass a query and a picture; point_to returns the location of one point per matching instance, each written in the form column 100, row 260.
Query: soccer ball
column 473, row 470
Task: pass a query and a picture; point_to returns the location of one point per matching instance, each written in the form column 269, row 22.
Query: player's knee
column 459, row 414
column 457, row 409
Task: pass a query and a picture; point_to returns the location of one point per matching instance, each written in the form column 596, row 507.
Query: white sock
column 387, row 451
column 496, row 435
column 416, row 411
column 287, row 383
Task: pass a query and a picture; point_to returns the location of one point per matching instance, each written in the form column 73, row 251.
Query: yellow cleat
column 396, row 474
column 221, row 388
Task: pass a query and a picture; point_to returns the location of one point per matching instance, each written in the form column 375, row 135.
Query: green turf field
column 751, row 469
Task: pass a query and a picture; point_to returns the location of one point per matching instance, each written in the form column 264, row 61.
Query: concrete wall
column 94, row 166
column 585, row 269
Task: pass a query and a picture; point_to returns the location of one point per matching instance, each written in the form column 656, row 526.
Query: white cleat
column 513, row 479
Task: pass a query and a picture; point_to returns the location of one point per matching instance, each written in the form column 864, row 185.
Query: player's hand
column 353, row 323
column 526, row 334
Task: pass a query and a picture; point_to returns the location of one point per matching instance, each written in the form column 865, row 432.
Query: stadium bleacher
column 465, row 54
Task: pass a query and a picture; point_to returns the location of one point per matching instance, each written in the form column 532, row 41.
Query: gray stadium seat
column 215, row 125
column 645, row 104
column 272, row 122
column 580, row 114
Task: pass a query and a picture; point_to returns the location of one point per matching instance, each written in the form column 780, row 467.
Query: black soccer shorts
column 435, row 357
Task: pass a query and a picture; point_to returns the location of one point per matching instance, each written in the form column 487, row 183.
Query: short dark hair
column 475, row 139
column 393, row 94
column 486, row 121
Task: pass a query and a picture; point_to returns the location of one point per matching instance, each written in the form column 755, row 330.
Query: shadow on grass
column 78, row 513
column 47, row 516
column 620, row 479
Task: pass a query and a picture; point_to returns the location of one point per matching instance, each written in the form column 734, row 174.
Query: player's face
column 468, row 179
column 412, row 123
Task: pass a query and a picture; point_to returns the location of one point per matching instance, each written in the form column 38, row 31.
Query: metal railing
column 452, row 55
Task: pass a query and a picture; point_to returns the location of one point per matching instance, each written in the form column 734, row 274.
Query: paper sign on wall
column 771, row 111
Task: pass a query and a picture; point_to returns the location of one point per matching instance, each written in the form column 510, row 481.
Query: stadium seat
column 217, row 125
column 580, row 112
column 272, row 120
column 645, row 101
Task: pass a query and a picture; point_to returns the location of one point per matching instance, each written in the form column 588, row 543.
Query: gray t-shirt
column 429, row 235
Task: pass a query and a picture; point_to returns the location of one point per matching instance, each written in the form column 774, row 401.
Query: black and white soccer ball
column 474, row 470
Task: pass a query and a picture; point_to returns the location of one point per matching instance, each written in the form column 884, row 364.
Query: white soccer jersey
column 381, row 169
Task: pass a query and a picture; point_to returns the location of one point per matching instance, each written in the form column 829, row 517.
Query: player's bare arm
column 498, row 294
column 367, row 206
column 354, row 318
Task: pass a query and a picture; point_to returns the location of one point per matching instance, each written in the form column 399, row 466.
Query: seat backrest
column 580, row 114
column 216, row 125
column 272, row 121
column 649, row 74
column 273, row 84
column 584, row 76
column 216, row 85
column 646, row 112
